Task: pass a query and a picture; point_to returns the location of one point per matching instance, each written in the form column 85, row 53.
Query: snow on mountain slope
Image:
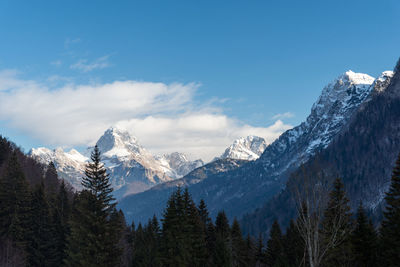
column 249, row 148
column 70, row 165
column 336, row 104
column 239, row 190
column 132, row 168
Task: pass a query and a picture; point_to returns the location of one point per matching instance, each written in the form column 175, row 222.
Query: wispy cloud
column 281, row 116
column 85, row 66
column 164, row 117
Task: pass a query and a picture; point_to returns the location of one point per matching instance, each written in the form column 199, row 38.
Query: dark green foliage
column 274, row 254
column 60, row 216
column 390, row 230
column 337, row 227
column 51, row 179
column 223, row 251
column 364, row 241
column 41, row 250
column 183, row 234
column 294, row 246
column 239, row 247
column 93, row 240
column 15, row 200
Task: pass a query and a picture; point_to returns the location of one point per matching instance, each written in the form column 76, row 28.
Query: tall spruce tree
column 239, row 248
column 364, row 241
column 223, row 245
column 61, row 211
column 15, row 200
column 294, row 246
column 337, row 227
column 41, row 247
column 274, row 254
column 51, row 181
column 390, row 229
column 91, row 228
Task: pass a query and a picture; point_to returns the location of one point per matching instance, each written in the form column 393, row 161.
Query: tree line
column 44, row 223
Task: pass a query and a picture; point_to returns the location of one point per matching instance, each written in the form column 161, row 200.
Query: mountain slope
column 243, row 189
column 249, row 148
column 363, row 155
column 142, row 206
column 131, row 167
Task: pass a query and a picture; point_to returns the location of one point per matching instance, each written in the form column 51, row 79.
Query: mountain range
column 247, row 187
column 352, row 132
column 132, row 168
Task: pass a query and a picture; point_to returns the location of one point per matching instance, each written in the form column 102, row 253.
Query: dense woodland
column 44, row 223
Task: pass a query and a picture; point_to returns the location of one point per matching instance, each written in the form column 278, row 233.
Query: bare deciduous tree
column 311, row 196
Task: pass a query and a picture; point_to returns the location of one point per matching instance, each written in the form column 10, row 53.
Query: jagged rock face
column 249, row 148
column 337, row 103
column 243, row 189
column 131, row 167
column 70, row 165
column 362, row 155
column 142, row 206
column 179, row 163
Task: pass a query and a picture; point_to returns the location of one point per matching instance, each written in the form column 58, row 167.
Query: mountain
column 243, row 189
column 142, row 206
column 131, row 167
column 362, row 155
column 249, row 148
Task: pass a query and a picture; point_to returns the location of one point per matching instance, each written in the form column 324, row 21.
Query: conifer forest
column 45, row 223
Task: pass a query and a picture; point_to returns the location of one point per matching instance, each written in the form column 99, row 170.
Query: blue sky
column 246, row 61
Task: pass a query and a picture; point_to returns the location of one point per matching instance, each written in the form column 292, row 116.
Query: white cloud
column 85, row 66
column 281, row 116
column 164, row 117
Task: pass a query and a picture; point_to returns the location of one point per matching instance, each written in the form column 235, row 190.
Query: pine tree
column 274, row 253
column 337, row 227
column 364, row 241
column 250, row 252
column 211, row 239
column 294, row 246
column 174, row 250
column 259, row 253
column 239, row 248
column 41, row 250
column 15, row 200
column 223, row 248
column 61, row 211
column 91, row 229
column 51, row 181
column 390, row 229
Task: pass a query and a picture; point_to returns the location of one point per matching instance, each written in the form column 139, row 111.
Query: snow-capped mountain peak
column 383, row 81
column 245, row 148
column 118, row 142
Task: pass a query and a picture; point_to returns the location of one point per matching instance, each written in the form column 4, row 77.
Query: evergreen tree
column 274, row 253
column 174, row 249
column 60, row 216
column 223, row 246
column 364, row 241
column 250, row 254
column 390, row 229
column 92, row 237
column 211, row 239
column 259, row 253
column 41, row 247
column 337, row 227
column 51, row 181
column 294, row 246
column 239, row 247
column 15, row 200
